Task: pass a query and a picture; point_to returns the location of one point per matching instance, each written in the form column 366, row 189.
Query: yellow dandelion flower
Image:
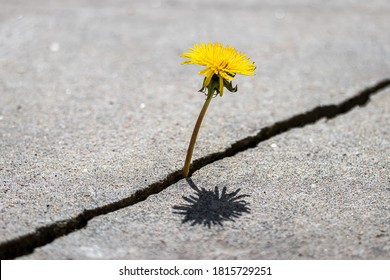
column 222, row 64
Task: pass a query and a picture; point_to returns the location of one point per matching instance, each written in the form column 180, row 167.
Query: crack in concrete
column 26, row 244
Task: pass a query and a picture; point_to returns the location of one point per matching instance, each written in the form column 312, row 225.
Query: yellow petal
column 209, row 75
column 225, row 62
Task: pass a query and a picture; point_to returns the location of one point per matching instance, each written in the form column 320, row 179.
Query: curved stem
column 191, row 146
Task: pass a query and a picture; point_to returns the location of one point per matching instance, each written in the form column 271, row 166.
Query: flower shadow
column 207, row 207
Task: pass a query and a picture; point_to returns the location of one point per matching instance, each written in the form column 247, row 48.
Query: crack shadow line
column 26, row 244
column 300, row 120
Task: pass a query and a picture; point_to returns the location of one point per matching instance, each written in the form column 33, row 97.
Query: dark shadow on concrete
column 26, row 244
column 208, row 207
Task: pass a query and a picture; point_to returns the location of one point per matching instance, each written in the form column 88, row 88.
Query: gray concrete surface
column 320, row 192
column 94, row 105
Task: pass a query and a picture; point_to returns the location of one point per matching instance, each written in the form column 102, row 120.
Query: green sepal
column 214, row 85
column 229, row 86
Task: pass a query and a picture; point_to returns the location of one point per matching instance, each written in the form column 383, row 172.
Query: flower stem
column 191, row 146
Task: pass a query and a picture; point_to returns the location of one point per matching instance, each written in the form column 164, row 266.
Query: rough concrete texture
column 94, row 104
column 320, row 192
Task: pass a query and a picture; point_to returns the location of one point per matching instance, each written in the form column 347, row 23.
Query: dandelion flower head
column 222, row 63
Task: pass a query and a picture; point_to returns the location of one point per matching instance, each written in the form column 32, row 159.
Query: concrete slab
column 320, row 192
column 94, row 104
